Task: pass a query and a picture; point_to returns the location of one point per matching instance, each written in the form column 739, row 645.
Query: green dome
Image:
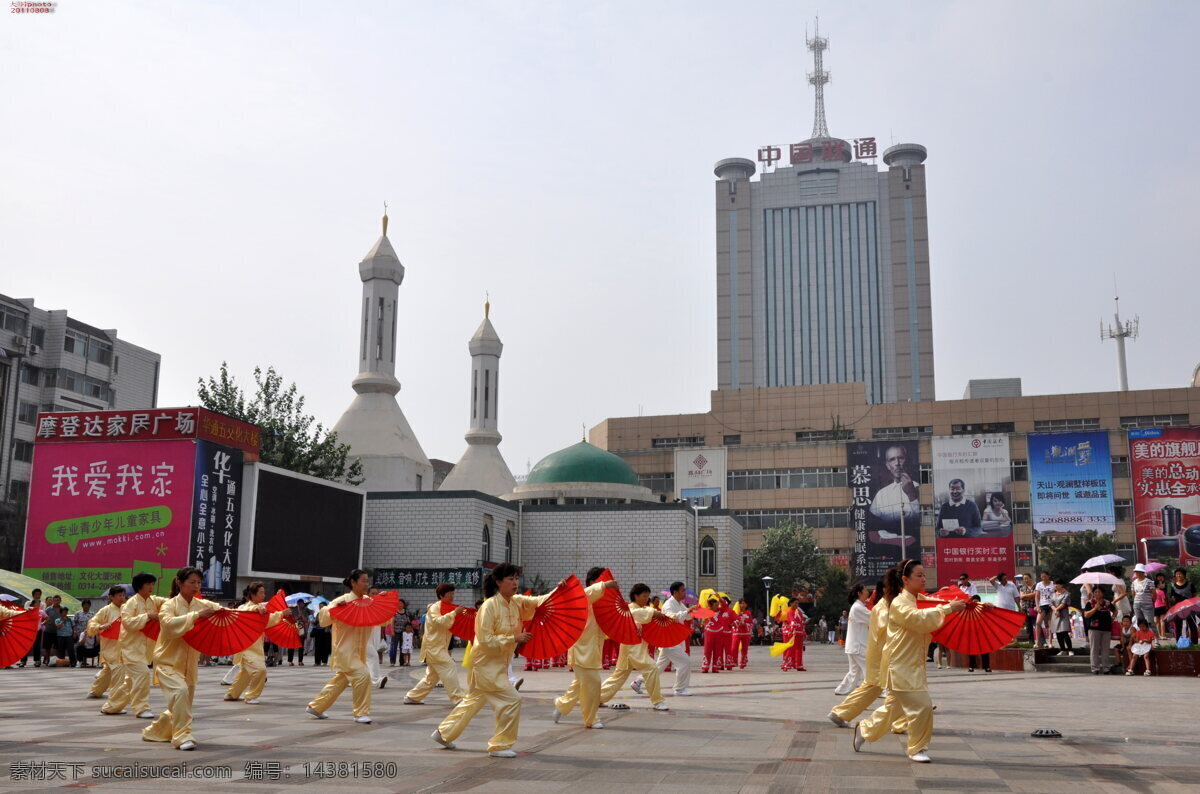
column 582, row 462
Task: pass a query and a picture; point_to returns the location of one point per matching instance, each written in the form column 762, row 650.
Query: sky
column 205, row 178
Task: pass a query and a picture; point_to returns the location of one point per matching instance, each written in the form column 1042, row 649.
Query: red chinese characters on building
column 822, row 150
column 1165, row 472
column 159, row 424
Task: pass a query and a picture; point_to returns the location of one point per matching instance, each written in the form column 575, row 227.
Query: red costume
column 714, row 645
column 793, row 628
column 608, row 655
column 743, row 627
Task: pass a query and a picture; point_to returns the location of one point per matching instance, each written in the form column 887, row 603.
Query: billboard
column 700, row 476
column 886, row 509
column 1070, row 484
column 1164, row 467
column 972, row 479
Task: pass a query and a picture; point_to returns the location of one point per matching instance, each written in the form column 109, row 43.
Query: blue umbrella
column 294, row 597
column 315, row 605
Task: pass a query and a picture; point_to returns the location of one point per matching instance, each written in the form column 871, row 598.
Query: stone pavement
column 758, row 730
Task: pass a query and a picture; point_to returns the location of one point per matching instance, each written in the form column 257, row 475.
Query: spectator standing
column 822, row 629
column 1045, row 593
column 400, row 620
column 300, row 615
column 1121, row 600
column 966, row 585
column 1007, row 593
column 1160, row 603
column 86, row 647
column 1143, row 597
column 1060, row 619
column 1098, row 617
column 1029, row 606
column 64, row 639
column 1180, row 590
column 406, row 644
column 322, row 644
column 50, row 628
column 843, row 624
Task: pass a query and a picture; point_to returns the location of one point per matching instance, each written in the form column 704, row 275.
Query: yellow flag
column 778, row 648
column 706, row 594
column 466, row 662
column 778, row 606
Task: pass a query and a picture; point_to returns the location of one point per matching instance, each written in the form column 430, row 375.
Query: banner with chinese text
column 886, row 509
column 972, row 481
column 215, row 519
column 426, row 578
column 1164, row 467
column 1070, row 484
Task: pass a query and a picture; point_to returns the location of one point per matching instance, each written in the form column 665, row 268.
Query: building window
column 813, row 517
column 782, row 479
column 27, row 413
column 80, row 384
column 487, row 543
column 982, row 427
column 1020, row 470
column 677, row 441
column 901, row 432
column 708, row 556
column 11, row 321
column 663, row 483
column 1024, row 556
column 1020, row 512
column 1127, row 551
column 487, row 391
column 30, row 375
column 731, row 441
column 508, row 546
column 38, row 336
column 1120, row 466
column 1123, row 509
column 23, row 451
column 419, row 482
column 1155, row 420
column 926, row 473
column 1052, row 425
column 928, row 516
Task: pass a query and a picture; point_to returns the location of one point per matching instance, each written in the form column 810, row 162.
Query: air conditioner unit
column 35, row 349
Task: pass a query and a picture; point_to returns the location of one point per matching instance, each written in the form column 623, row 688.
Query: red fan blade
column 614, row 618
column 702, row 613
column 979, row 629
column 665, row 632
column 152, row 629
column 558, row 622
column 1183, row 609
column 114, row 631
column 226, row 632
column 951, row 592
column 368, row 611
column 285, row 634
column 278, row 602
column 463, row 626
column 16, row 636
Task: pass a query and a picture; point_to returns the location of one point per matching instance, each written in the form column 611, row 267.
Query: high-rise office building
column 823, row 264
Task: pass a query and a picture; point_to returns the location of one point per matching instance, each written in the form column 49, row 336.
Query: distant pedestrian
column 1143, row 598
column 1098, row 617
column 1060, row 620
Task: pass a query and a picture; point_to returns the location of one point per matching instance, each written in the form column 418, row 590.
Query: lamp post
column 766, row 580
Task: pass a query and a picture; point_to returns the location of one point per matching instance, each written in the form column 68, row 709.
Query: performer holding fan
column 102, row 624
column 585, row 658
column 137, row 614
column 253, row 676
column 349, row 659
column 636, row 656
column 439, row 621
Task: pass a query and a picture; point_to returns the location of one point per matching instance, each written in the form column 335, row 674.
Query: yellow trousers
column 584, row 690
column 251, row 679
column 446, row 672
column 505, row 702
column 914, row 708
column 859, row 700
column 102, row 680
column 359, row 681
column 650, row 676
column 133, row 691
column 175, row 724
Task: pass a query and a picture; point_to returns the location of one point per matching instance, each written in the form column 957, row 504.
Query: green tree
column 291, row 439
column 789, row 554
column 833, row 589
column 1065, row 560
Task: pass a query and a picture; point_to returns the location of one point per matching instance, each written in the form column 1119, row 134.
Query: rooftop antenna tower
column 818, row 77
column 1120, row 332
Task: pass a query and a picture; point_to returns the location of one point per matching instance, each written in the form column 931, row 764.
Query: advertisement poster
column 886, row 509
column 1164, row 466
column 1070, row 484
column 972, row 479
column 215, row 523
column 700, row 476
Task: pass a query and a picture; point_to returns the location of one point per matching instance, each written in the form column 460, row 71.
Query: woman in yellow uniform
column 349, row 658
column 908, row 633
column 175, row 662
column 439, row 617
column 253, row 673
column 586, row 661
column 136, row 651
column 497, row 633
column 111, row 673
column 637, row 657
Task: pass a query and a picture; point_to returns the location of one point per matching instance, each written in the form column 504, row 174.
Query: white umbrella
column 295, row 597
column 1096, row 577
column 1103, row 559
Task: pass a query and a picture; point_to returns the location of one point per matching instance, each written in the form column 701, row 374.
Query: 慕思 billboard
column 1070, row 484
column 700, row 476
column 972, row 478
column 1164, row 466
column 886, row 509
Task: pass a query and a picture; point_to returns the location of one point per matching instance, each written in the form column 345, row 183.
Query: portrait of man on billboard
column 895, row 512
column 958, row 517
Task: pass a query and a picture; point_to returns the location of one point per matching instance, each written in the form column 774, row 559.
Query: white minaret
column 482, row 467
column 373, row 425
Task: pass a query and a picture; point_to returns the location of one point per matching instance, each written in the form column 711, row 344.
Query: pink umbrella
column 1154, row 567
column 1096, row 577
column 1183, row 609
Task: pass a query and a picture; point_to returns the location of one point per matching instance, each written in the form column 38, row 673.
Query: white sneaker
column 251, row 701
column 503, row 754
column 146, row 715
column 838, row 721
column 365, row 720
column 921, row 757
column 437, row 737
column 683, row 693
column 857, row 739
column 410, row 702
column 310, row 711
column 661, row 706
column 557, row 716
column 595, row 726
column 638, row 687
column 188, row 745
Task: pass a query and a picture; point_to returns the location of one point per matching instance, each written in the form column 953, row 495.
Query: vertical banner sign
column 215, row 521
column 1165, row 468
column 700, row 476
column 972, row 479
column 1070, row 484
column 886, row 509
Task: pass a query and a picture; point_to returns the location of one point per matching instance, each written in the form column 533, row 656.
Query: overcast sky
column 205, row 177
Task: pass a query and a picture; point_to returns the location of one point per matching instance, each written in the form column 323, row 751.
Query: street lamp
column 766, row 580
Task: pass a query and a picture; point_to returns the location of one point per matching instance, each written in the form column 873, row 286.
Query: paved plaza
column 758, row 730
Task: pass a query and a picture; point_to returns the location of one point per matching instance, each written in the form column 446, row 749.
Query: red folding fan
column 558, row 622
column 463, row 626
column 16, row 636
column 285, row 633
column 368, row 611
column 979, row 628
column 113, row 632
column 702, row 613
column 278, row 602
column 664, row 632
column 226, row 632
column 613, row 615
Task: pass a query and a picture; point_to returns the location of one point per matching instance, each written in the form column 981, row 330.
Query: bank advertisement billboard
column 886, row 509
column 700, row 476
column 1070, row 484
column 972, row 486
column 1164, row 466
